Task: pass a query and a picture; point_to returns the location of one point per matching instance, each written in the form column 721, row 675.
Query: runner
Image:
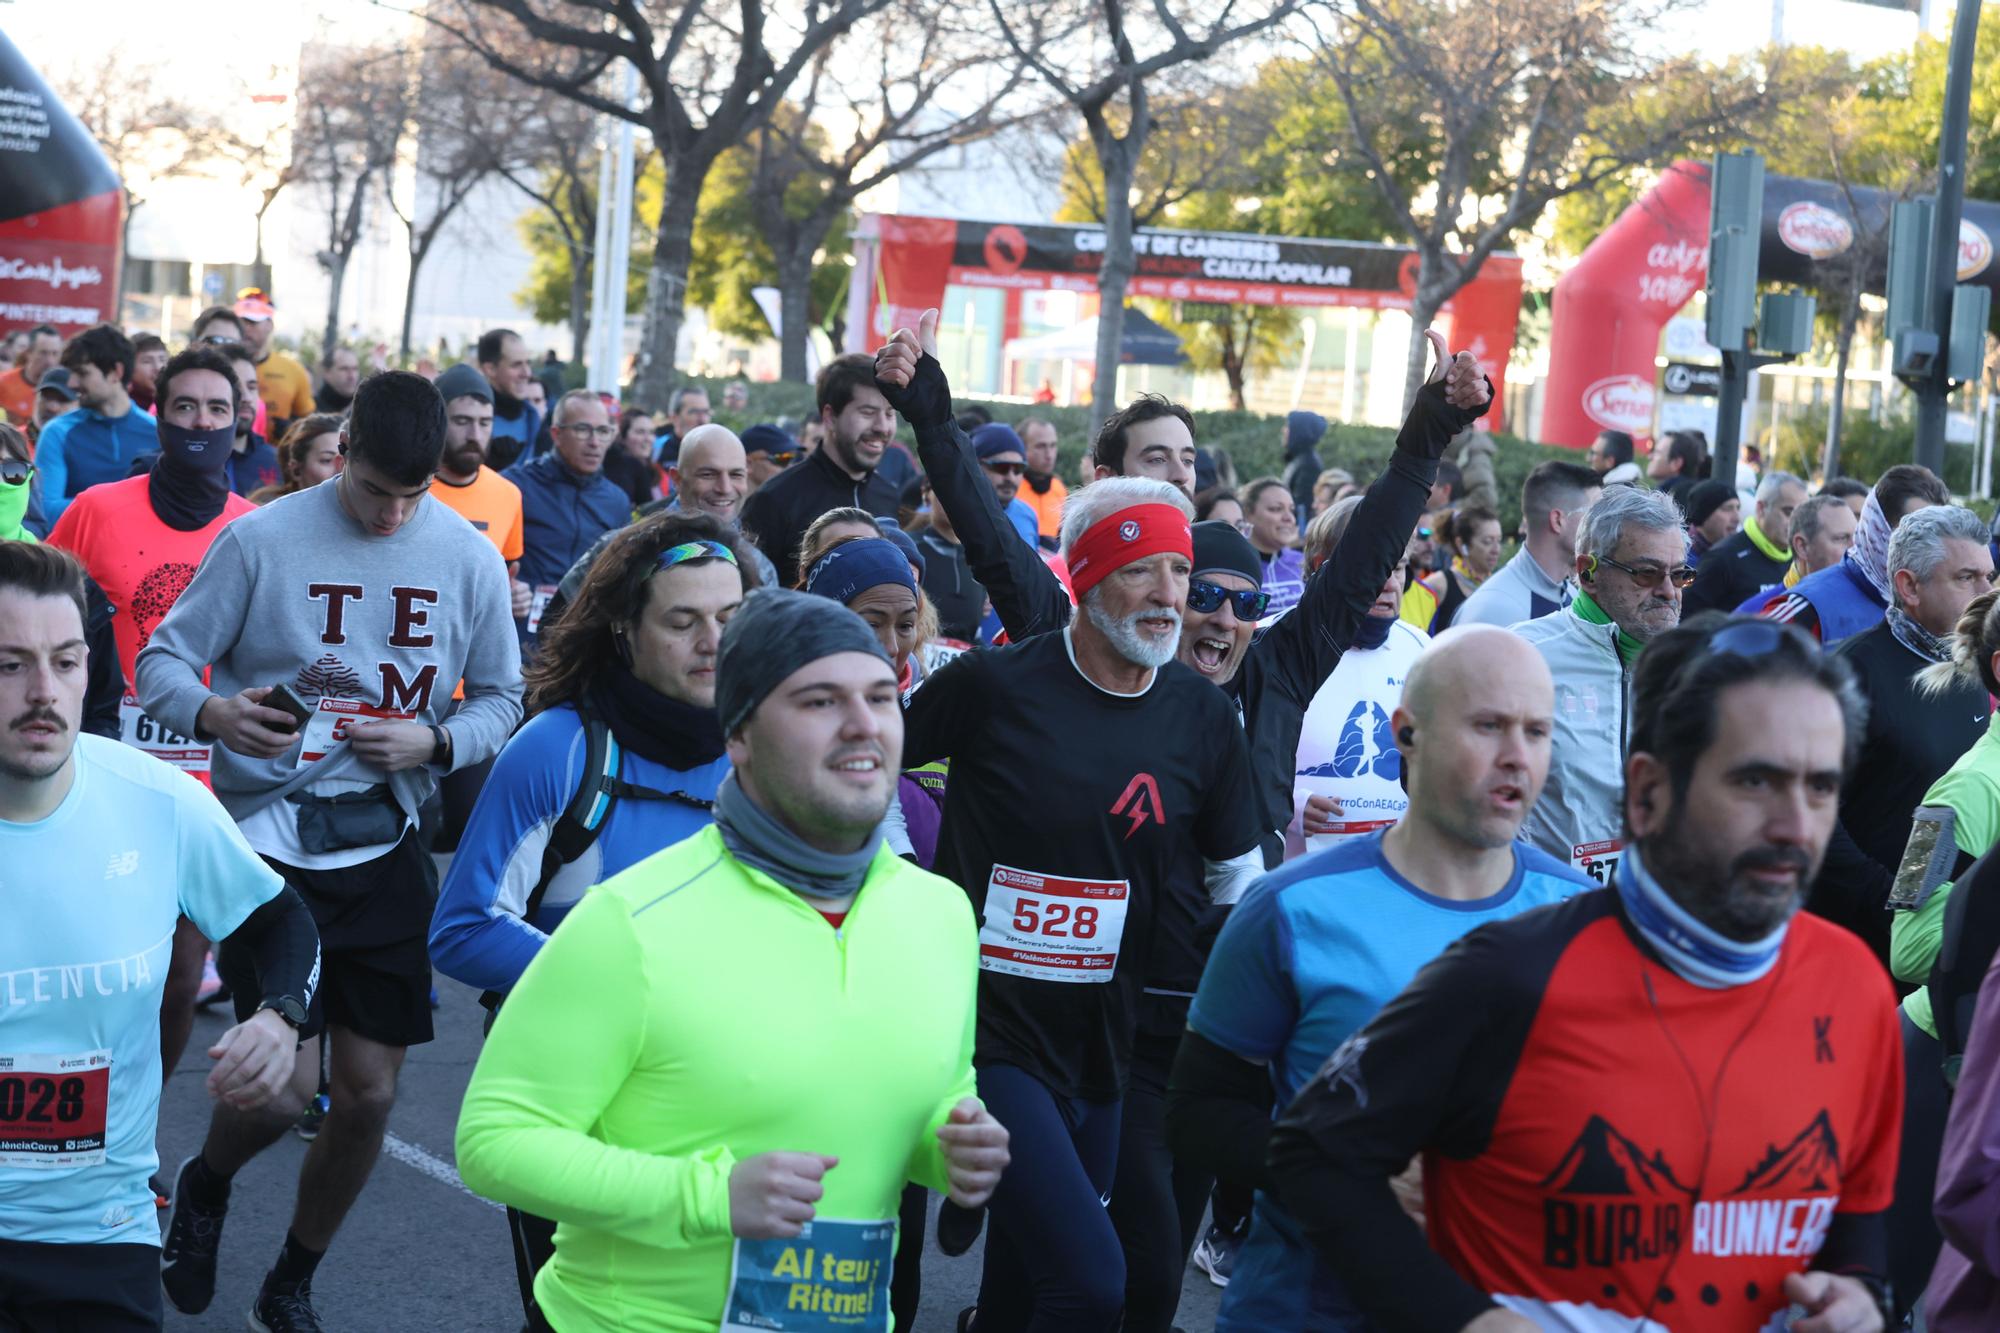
column 1822, row 531
column 628, row 675
column 1754, row 558
column 367, row 599
column 1672, row 1103
column 689, row 1148
column 141, row 540
column 567, row 503
column 1471, row 536
column 105, row 849
column 1315, row 950
column 1541, row 578
column 97, row 442
column 1854, row 595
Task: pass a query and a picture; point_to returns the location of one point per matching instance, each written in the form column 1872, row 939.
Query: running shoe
column 310, row 1119
column 1216, row 1255
column 285, row 1308
column 187, row 1248
column 163, row 1193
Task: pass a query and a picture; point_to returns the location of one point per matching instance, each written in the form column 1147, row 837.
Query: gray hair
column 1805, row 519
column 679, row 395
column 1622, row 507
column 1918, row 541
column 573, row 396
column 1102, row 498
column 1773, row 482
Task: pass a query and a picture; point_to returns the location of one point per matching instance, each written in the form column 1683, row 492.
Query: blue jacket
column 477, row 934
column 523, row 428
column 562, row 513
column 81, row 448
column 1845, row 602
column 255, row 468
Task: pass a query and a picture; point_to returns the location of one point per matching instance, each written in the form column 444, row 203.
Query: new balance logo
column 121, row 864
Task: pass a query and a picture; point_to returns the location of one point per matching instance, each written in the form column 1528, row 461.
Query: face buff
column 188, row 487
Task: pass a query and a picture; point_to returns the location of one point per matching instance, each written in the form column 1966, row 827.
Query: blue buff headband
column 851, row 568
column 701, row 550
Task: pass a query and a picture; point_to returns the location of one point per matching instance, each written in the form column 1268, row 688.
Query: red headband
column 1118, row 539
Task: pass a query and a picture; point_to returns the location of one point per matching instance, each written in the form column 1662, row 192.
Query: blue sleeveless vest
column 1843, row 599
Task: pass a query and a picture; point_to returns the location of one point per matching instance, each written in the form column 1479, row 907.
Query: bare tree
column 1474, row 119
column 148, row 137
column 1088, row 51
column 708, row 74
column 354, row 109
column 558, row 170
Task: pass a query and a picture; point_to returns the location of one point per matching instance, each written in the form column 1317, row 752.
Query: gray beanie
column 463, row 381
column 774, row 633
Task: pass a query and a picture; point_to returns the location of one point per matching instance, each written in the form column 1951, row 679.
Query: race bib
column 1051, row 928
column 53, row 1110
column 328, row 725
column 141, row 732
column 832, row 1275
column 1595, row 859
column 544, row 594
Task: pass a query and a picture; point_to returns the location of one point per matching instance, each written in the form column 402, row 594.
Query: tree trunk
column 795, row 265
column 410, row 302
column 1850, row 316
column 336, row 275
column 666, row 286
column 346, row 235
column 1234, row 354
column 1115, row 158
column 1423, row 309
column 579, row 301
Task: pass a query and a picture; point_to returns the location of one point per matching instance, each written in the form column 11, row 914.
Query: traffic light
column 1971, row 308
column 1785, row 323
column 1908, row 291
column 1735, row 230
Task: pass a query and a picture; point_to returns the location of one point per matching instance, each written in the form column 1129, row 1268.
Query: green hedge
column 1251, row 438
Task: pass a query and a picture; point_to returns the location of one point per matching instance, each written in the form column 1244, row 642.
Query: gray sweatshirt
column 300, row 594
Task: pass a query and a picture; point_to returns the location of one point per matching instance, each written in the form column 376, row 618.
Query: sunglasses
column 1752, row 638
column 216, row 339
column 785, row 459
column 1007, row 469
column 1250, row 603
column 1650, row 576
column 16, row 471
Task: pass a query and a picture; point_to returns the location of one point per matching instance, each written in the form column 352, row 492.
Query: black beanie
column 1704, row 498
column 1220, row 549
column 773, row 634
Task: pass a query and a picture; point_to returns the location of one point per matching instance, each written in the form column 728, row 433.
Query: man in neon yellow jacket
column 724, row 1065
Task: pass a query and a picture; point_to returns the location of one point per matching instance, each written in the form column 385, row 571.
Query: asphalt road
column 419, row 1252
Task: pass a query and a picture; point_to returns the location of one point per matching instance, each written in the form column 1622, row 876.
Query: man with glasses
column 567, row 502
column 1672, row 1103
column 1004, row 460
column 1631, row 565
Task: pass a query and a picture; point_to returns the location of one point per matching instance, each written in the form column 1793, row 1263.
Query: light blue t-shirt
column 1309, row 956
column 91, row 894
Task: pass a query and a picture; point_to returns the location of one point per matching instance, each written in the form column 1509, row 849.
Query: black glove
column 926, row 400
column 1433, row 422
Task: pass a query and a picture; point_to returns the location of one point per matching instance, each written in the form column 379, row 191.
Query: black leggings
column 1914, row 1238
column 1157, row 1201
column 79, row 1288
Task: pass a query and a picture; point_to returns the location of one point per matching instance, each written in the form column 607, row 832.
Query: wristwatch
column 286, row 1007
column 441, row 744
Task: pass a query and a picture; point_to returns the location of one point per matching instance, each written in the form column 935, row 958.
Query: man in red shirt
column 1670, row 1103
column 17, row 385
column 141, row 540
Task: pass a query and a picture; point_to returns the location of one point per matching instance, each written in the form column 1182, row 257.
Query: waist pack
column 366, row 818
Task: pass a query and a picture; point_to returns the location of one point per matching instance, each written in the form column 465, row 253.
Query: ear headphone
column 1590, row 567
column 1406, row 735
column 623, row 645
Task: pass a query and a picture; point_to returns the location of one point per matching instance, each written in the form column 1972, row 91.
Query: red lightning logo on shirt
column 1140, row 803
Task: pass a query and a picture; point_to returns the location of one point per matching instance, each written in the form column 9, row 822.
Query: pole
column 1931, row 392
column 602, row 308
column 1736, row 370
column 618, row 259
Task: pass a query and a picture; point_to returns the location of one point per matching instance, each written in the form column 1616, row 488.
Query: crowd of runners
column 1272, row 875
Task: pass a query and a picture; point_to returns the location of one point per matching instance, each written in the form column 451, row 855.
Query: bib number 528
column 1055, row 920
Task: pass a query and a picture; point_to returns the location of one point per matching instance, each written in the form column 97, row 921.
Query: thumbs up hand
column 909, row 376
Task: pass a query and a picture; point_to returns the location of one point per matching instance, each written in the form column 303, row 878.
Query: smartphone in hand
column 282, row 699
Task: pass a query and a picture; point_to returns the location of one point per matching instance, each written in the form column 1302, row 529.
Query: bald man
column 1314, row 950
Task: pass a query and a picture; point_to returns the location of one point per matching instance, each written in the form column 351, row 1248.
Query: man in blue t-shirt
column 105, row 848
column 97, row 442
column 1314, row 950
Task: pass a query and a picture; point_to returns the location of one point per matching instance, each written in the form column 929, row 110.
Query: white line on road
column 409, row 1154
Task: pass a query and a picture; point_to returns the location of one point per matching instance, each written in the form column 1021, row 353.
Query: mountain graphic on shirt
column 1604, row 1161
column 1365, row 745
column 1809, row 1164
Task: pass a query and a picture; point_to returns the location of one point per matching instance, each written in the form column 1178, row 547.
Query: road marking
column 409, row 1154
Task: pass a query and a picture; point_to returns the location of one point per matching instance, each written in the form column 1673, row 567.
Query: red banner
column 61, row 267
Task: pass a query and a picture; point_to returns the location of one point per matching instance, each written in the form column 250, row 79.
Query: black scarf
column 505, row 405
column 649, row 724
column 1372, row 632
column 188, row 485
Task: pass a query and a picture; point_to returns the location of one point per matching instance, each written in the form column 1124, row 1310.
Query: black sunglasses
column 16, row 471
column 1650, row 576
column 1250, row 603
column 1006, row 469
column 1752, row 638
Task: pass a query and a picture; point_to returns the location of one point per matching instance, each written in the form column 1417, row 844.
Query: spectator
column 309, row 453
column 253, row 463
column 99, row 441
column 1538, row 580
column 340, row 376
column 1713, row 512
column 630, row 463
column 567, row 502
column 1676, row 465
column 503, row 360
column 1754, row 559
column 282, row 382
column 1611, row 458
column 1300, row 437
column 1004, row 459
column 1045, row 491
column 18, row 385
column 1274, row 531
column 687, row 409
column 1631, row 564
column 768, row 451
column 859, row 425
column 149, row 358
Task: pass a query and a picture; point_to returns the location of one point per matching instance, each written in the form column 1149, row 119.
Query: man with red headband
column 1068, row 877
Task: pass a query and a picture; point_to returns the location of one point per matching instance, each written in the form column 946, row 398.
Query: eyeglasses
column 1250, row 603
column 606, row 433
column 1650, row 576
column 16, row 471
column 1006, row 469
